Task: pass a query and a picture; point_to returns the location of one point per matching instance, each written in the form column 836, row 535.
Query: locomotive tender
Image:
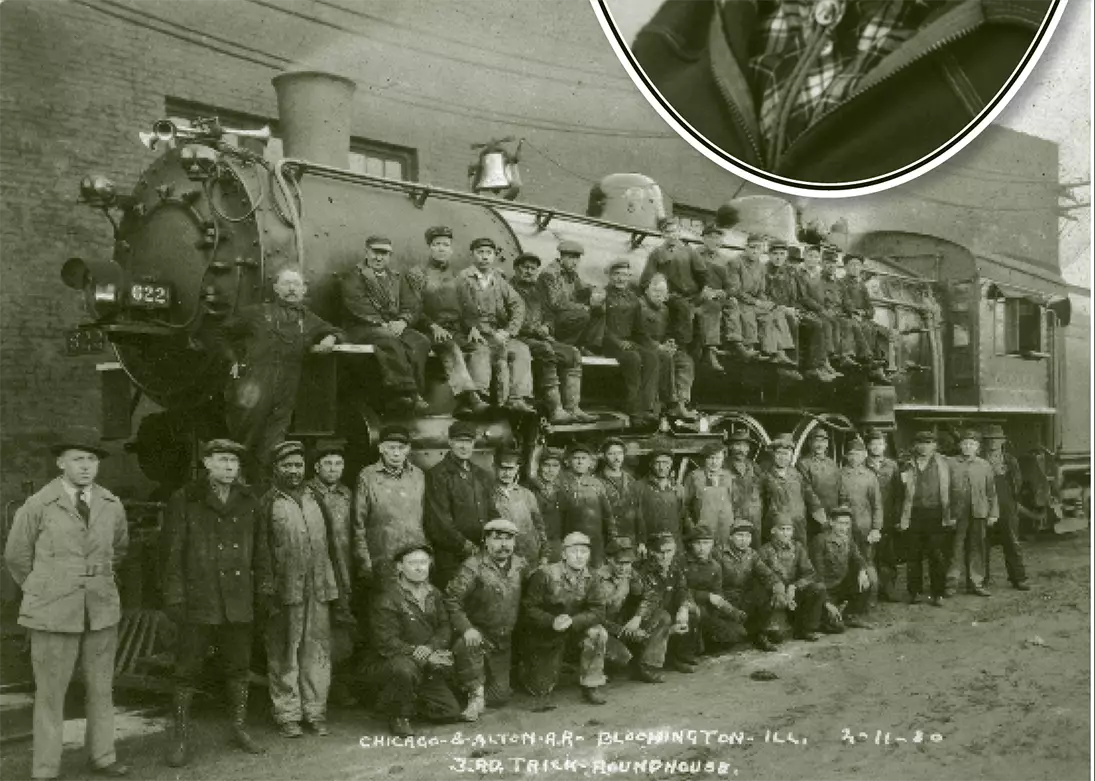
column 209, row 225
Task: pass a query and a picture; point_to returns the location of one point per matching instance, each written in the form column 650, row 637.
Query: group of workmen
column 421, row 591
column 525, row 336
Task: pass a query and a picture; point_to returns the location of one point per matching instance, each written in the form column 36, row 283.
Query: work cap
column 222, row 446
column 395, row 432
column 285, row 449
column 462, row 429
column 568, row 247
column 575, row 538
column 500, row 526
column 437, row 232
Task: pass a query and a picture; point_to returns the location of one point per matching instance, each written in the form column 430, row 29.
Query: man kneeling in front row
column 412, row 665
column 483, row 601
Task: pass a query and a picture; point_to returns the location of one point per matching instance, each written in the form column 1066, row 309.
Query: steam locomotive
column 211, row 222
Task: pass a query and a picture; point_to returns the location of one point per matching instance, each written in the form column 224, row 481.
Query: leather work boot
column 516, row 404
column 421, row 406
column 647, row 674
column 711, row 360
column 476, row 705
column 592, row 695
column 572, row 395
column 237, row 701
column 678, row 410
column 401, row 727
column 470, row 404
column 555, row 412
column 739, row 352
column 178, row 754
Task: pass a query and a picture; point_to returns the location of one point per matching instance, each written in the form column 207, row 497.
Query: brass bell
column 491, row 173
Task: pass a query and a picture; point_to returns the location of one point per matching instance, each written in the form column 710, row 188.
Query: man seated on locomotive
column 556, row 363
column 676, row 370
column 843, row 349
column 566, row 297
column 519, row 506
column 466, row 365
column 874, row 341
column 265, row 345
column 726, row 284
column 379, row 304
column 745, row 280
column 806, row 292
column 623, row 340
column 493, row 312
column 692, row 301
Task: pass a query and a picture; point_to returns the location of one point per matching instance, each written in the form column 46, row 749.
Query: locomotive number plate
column 150, row 295
column 84, row 341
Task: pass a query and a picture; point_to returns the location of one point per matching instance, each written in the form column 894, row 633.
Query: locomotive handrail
column 368, row 349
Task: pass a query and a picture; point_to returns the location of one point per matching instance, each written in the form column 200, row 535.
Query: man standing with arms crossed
column 62, row 550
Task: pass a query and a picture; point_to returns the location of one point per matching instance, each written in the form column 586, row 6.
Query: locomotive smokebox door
column 317, row 407
column 878, row 406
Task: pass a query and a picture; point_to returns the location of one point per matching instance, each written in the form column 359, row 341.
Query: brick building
column 81, row 78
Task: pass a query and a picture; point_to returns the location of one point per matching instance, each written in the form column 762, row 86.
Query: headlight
column 100, row 281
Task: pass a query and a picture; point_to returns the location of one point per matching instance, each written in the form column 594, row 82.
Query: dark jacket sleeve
column 804, row 568
column 455, row 594
column 534, row 603
column 387, row 627
column 438, row 521
column 264, row 554
column 316, row 328
column 441, row 638
column 174, row 576
column 356, row 301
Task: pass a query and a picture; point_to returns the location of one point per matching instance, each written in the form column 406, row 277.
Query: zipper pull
column 827, row 14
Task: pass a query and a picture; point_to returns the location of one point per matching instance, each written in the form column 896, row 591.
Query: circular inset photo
column 828, row 97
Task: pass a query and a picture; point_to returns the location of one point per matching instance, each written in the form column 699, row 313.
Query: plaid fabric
column 836, row 55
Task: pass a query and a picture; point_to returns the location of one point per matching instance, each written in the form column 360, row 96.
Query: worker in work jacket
column 624, row 340
column 710, row 61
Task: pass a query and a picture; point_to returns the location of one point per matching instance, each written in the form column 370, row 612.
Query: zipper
column 719, row 48
column 859, row 93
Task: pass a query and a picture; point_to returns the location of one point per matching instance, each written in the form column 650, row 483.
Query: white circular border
column 849, row 190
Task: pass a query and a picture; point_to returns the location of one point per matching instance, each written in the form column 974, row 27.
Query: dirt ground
column 998, row 688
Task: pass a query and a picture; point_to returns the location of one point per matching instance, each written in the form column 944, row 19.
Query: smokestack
column 315, row 110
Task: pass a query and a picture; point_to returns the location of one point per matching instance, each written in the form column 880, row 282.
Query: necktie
column 83, row 507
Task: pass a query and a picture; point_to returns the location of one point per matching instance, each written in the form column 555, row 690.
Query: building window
column 691, row 218
column 1018, row 327
column 375, row 158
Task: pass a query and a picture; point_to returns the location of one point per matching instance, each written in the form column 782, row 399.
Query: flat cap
column 777, row 244
column 437, row 232
column 568, row 247
column 509, row 457
column 726, row 216
column 755, row 238
column 854, row 444
column 376, row 241
column 700, row 532
column 818, row 433
column 925, row 436
column 575, row 538
column 616, row 265
column 841, row 511
column 500, row 526
column 463, row 429
column 328, row 447
column 710, row 229
column 552, row 454
column 621, row 549
column 222, row 446
column 712, row 449
column 872, row 434
column 394, row 432
column 483, row 241
column 970, row 433
column 811, row 248
column 660, row 540
column 525, row 258
column 740, row 435
column 579, row 447
column 405, row 550
column 742, row 526
column 781, row 441
column 285, row 449
column 610, row 442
